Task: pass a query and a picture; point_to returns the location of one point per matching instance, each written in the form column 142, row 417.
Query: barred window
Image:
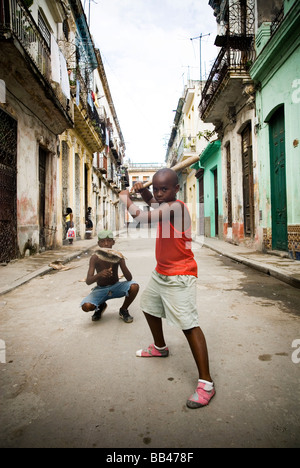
column 66, row 29
column 44, row 29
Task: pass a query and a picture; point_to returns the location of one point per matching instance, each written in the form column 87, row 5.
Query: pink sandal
column 151, row 351
column 201, row 397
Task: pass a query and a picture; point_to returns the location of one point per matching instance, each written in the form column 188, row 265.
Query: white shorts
column 172, row 298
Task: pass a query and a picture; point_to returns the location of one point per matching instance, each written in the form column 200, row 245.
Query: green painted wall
column 211, row 160
column 277, row 70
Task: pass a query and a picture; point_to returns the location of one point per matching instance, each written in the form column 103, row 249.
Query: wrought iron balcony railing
column 15, row 18
column 16, row 21
column 230, row 63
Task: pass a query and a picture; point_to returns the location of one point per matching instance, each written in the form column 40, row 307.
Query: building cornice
column 280, row 46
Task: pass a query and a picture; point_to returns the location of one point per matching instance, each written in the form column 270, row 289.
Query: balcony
column 25, row 64
column 187, row 148
column 88, row 123
column 225, row 82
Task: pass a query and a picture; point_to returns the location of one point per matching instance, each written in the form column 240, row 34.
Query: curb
column 274, row 272
column 43, row 271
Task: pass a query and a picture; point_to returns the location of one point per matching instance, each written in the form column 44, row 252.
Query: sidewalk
column 21, row 271
column 284, row 269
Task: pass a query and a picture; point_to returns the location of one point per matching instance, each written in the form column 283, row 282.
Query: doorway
column 42, row 197
column 278, row 181
column 200, row 177
column 8, row 188
column 248, row 191
column 216, row 202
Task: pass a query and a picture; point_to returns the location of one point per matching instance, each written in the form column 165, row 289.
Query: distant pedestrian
column 88, row 219
column 69, row 222
column 88, row 224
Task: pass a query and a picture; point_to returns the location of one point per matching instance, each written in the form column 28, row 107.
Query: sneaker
column 201, row 397
column 151, row 351
column 98, row 312
column 124, row 314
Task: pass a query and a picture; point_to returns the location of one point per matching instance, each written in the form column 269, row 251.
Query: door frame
column 248, row 188
column 278, row 242
column 8, row 189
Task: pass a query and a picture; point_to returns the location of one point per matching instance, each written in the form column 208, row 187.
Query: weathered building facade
column 276, row 72
column 92, row 152
column 228, row 102
column 61, row 144
column 34, row 110
column 209, row 176
column 188, row 138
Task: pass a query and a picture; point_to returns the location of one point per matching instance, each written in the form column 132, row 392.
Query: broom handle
column 178, row 167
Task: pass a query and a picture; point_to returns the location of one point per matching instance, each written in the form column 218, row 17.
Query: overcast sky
column 146, row 50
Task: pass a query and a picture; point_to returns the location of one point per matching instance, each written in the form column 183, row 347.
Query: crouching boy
column 104, row 270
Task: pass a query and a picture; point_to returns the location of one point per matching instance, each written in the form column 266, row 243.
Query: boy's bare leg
column 133, row 291
column 197, row 342
column 155, row 324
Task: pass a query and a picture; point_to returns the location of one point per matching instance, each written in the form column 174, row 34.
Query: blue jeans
column 101, row 294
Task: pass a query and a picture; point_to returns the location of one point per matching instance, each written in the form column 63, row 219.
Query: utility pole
column 200, row 40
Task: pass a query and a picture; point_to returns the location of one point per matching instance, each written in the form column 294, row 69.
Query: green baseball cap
column 104, row 234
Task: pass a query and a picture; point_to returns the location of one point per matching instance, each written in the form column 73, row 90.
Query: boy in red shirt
column 171, row 292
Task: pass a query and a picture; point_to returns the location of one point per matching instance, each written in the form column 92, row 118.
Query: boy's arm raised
column 146, row 194
column 165, row 211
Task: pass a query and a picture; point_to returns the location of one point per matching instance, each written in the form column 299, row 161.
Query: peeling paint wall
column 31, row 135
column 232, row 136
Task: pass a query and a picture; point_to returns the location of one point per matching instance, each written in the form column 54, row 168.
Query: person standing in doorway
column 69, row 222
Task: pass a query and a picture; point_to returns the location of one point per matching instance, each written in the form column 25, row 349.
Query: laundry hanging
column 65, row 83
column 55, row 60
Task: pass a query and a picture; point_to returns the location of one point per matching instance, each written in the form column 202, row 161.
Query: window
column 66, row 29
column 44, row 29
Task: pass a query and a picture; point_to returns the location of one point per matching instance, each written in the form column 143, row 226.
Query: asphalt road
column 69, row 382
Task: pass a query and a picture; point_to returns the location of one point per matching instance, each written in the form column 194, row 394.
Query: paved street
column 69, row 382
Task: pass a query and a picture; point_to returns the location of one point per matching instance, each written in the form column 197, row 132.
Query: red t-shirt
column 174, row 255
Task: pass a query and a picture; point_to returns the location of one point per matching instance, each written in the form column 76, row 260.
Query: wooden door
column 42, row 196
column 278, row 181
column 216, row 202
column 8, row 188
column 248, row 190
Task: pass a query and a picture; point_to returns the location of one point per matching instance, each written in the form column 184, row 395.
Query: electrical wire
column 31, row 112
